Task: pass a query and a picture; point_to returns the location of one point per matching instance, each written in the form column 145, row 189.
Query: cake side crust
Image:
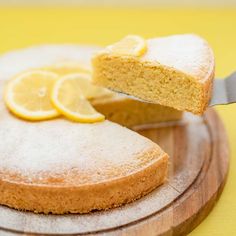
column 58, row 200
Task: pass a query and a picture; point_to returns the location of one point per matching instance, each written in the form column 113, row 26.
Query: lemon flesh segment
column 67, row 67
column 68, row 97
column 132, row 45
column 28, row 95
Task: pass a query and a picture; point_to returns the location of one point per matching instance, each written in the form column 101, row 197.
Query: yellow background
column 21, row 27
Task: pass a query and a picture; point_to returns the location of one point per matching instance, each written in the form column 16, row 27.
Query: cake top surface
column 188, row 53
column 63, row 152
column 17, row 61
column 59, row 151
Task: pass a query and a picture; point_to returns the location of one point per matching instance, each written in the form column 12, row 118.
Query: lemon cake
column 64, row 59
column 59, row 166
column 175, row 71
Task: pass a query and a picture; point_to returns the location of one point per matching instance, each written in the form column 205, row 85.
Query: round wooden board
column 199, row 160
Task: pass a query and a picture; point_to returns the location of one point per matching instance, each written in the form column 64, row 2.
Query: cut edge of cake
column 41, row 198
column 131, row 112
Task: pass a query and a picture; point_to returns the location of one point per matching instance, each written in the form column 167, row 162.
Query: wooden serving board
column 199, row 160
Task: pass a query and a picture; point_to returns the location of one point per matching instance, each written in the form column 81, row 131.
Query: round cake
column 59, row 166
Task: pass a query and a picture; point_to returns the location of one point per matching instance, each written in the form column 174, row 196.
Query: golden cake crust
column 50, row 198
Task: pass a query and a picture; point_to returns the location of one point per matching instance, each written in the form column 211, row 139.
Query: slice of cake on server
column 175, row 71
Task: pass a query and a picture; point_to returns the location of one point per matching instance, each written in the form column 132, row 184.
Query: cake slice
column 65, row 58
column 175, row 71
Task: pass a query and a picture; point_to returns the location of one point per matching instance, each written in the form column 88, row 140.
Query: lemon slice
column 132, row 45
column 67, row 67
column 68, row 97
column 28, row 95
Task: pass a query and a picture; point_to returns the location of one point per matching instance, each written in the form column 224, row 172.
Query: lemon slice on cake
column 132, row 45
column 69, row 97
column 28, row 95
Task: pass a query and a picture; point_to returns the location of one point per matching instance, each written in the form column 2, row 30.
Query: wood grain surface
column 199, row 162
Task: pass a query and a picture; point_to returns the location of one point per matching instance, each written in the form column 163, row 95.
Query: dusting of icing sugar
column 39, row 56
column 187, row 52
column 57, row 146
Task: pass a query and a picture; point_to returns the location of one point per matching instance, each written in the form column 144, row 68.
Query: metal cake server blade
column 224, row 91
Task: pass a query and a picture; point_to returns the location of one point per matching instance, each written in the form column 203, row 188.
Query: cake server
column 224, row 91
